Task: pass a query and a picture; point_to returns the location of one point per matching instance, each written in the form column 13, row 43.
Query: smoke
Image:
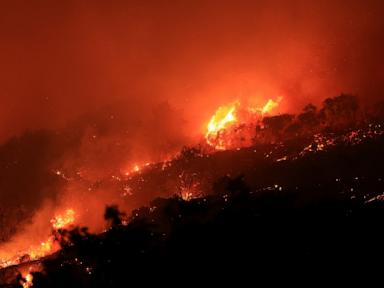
column 111, row 83
column 60, row 60
column 52, row 170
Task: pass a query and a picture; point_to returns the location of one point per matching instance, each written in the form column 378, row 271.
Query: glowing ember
column 189, row 186
column 134, row 169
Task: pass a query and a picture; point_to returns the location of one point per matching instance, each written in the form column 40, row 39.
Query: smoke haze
column 61, row 60
column 90, row 87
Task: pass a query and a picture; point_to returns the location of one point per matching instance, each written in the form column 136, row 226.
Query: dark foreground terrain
column 325, row 213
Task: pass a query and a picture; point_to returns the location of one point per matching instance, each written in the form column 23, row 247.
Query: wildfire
column 45, row 248
column 28, row 281
column 61, row 221
column 224, row 117
column 218, row 135
column 228, row 115
column 270, row 105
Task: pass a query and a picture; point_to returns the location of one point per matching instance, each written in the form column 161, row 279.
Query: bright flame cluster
column 227, row 116
column 28, row 281
column 224, row 117
column 270, row 105
column 61, row 221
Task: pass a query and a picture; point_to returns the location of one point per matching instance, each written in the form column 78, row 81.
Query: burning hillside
column 238, row 140
column 218, row 136
column 195, row 131
column 307, row 172
column 47, row 247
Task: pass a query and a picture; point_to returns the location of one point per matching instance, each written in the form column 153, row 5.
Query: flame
column 60, row 221
column 223, row 117
column 28, row 281
column 270, row 105
column 134, row 169
column 228, row 115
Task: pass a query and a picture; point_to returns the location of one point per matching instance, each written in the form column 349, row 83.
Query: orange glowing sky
column 62, row 59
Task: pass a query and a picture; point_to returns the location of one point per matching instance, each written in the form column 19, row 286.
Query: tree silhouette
column 339, row 112
column 113, row 216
